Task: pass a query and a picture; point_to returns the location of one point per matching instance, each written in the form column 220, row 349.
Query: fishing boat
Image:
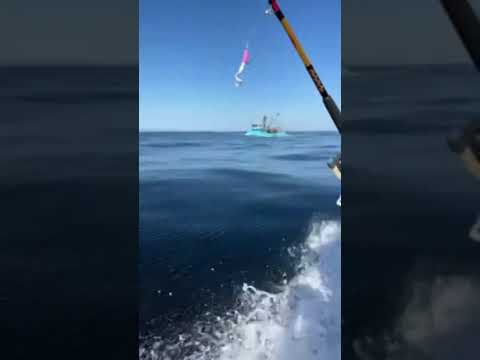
column 264, row 130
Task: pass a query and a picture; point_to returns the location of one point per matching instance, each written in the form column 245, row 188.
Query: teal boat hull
column 263, row 133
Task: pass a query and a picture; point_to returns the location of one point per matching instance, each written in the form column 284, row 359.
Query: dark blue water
column 218, row 210
column 69, row 150
column 410, row 270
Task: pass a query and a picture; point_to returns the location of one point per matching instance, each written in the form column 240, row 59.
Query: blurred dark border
column 410, row 271
column 69, row 183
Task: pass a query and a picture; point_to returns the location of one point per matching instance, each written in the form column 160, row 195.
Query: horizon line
column 222, row 131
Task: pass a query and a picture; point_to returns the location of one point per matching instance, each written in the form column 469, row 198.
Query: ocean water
column 69, row 139
column 239, row 247
column 410, row 274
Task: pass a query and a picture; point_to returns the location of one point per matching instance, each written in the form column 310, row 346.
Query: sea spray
column 301, row 321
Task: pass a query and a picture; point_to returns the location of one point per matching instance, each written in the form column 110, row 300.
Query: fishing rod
column 329, row 103
column 466, row 142
column 466, row 24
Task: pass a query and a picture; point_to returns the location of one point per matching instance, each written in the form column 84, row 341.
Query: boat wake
column 301, row 320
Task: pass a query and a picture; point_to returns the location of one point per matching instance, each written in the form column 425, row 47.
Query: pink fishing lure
column 246, row 56
column 243, row 64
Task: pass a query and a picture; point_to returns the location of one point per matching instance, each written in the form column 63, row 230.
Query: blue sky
column 190, row 50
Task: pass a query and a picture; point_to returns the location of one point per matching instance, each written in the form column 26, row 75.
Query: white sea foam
column 302, row 321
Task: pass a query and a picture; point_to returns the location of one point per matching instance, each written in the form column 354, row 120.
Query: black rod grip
column 334, row 112
column 467, row 25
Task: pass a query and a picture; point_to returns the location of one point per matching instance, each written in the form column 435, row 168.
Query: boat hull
column 262, row 133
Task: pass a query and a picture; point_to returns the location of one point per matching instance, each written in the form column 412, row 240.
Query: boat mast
column 329, row 103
